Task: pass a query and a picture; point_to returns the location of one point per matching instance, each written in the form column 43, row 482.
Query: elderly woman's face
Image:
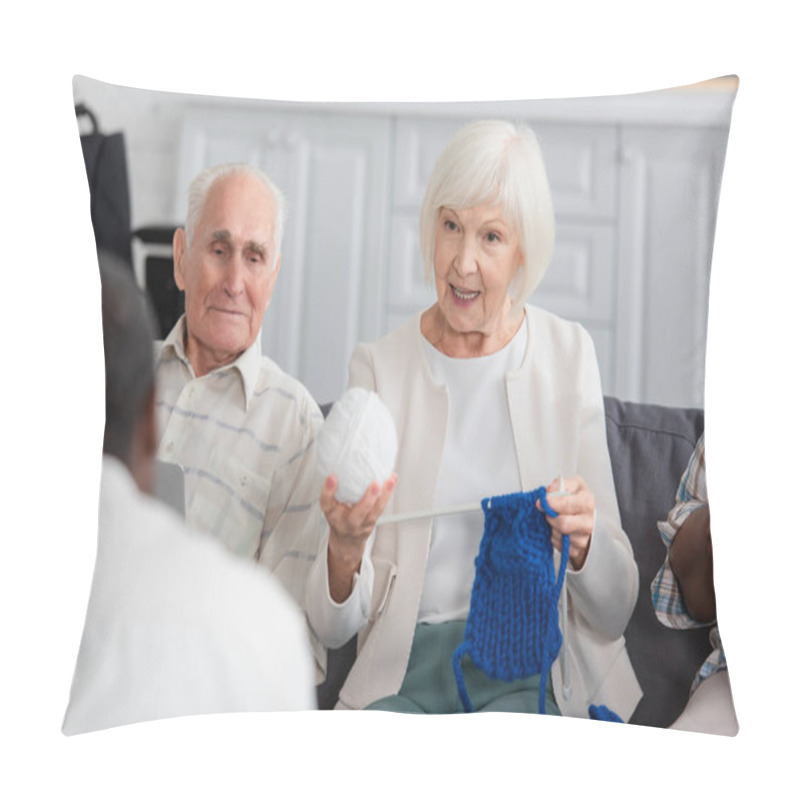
column 475, row 259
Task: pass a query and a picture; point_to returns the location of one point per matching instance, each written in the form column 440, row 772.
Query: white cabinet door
column 333, row 170
column 581, row 164
column 669, row 189
column 635, row 209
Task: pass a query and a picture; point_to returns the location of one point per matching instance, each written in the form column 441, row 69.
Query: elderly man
column 175, row 624
column 242, row 430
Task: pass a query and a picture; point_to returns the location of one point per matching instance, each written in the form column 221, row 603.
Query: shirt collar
column 247, row 365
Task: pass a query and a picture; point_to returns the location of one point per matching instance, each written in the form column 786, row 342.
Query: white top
column 556, row 406
column 478, row 461
column 479, row 412
column 176, row 625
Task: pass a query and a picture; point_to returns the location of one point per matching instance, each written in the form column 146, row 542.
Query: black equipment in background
column 153, row 248
column 107, row 173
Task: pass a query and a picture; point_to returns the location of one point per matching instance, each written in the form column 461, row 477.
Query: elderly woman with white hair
column 490, row 396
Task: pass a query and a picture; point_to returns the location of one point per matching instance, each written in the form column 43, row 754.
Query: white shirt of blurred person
column 242, row 429
column 175, row 624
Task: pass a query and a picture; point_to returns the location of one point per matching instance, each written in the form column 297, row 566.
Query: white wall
column 635, row 181
column 151, row 122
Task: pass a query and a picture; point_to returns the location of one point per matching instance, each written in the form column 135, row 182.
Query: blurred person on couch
column 684, row 597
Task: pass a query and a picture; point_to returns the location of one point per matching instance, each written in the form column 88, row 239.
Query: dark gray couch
column 650, row 447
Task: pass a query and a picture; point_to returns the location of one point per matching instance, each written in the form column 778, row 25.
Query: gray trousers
column 429, row 686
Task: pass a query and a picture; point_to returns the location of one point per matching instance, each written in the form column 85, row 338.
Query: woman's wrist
column 344, row 562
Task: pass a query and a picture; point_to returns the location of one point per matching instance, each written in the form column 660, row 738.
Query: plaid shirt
column 244, row 435
column 667, row 599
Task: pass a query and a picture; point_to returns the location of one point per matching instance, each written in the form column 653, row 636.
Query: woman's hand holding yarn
column 356, row 451
column 575, row 517
column 350, row 528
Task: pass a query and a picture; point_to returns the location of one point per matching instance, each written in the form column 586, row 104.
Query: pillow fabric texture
column 649, row 444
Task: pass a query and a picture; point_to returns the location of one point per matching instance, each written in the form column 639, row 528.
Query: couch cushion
column 650, row 447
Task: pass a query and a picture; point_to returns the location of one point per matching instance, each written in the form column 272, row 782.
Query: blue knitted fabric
column 512, row 628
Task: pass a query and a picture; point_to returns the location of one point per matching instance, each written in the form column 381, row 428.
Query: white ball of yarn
column 357, row 443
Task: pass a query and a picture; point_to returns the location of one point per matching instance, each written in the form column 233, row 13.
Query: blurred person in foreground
column 175, row 624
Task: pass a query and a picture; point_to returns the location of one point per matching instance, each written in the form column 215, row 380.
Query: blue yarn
column 603, row 713
column 512, row 628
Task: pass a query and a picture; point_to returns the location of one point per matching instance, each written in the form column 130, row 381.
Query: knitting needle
column 413, row 515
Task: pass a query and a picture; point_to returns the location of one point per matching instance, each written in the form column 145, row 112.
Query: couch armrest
column 650, row 446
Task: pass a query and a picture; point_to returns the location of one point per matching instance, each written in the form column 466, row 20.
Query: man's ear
column 273, row 276
column 178, row 252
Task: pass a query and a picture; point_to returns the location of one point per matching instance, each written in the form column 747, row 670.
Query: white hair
column 201, row 186
column 488, row 163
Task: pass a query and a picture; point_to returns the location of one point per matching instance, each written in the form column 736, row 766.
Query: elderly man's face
column 227, row 271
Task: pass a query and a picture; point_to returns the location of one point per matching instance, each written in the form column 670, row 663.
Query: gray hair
column 128, row 333
column 491, row 162
column 201, row 185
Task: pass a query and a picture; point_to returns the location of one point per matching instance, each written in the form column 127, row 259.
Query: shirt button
column 170, row 447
